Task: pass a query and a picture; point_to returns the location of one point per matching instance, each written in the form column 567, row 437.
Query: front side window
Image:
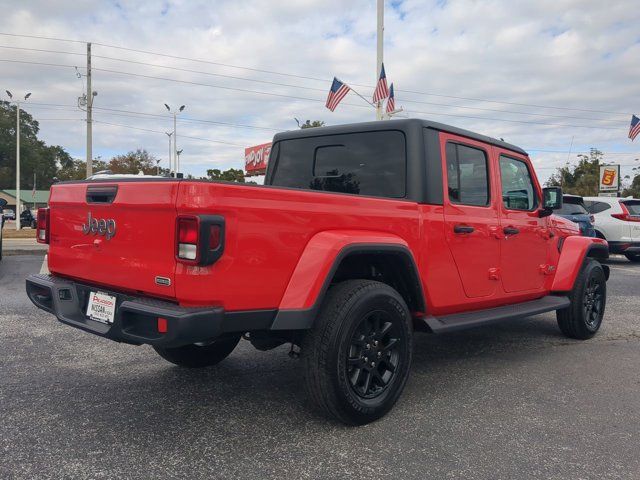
column 518, row 192
column 467, row 175
column 366, row 163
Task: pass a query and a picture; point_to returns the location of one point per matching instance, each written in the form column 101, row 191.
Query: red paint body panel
column 142, row 248
column 573, row 253
column 267, row 231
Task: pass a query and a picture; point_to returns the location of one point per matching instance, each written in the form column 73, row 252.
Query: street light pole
column 170, row 150
column 17, row 156
column 175, row 138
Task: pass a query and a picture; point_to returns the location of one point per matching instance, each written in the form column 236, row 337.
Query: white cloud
column 567, row 53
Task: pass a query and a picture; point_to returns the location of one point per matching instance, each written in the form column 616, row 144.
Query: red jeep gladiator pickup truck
column 361, row 234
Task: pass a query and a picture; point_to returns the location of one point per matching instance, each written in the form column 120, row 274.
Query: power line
column 162, row 132
column 447, row 105
column 147, row 52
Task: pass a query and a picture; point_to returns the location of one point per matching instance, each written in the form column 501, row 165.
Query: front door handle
column 463, row 229
column 510, row 231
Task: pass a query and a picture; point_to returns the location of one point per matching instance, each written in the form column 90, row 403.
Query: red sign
column 256, row 159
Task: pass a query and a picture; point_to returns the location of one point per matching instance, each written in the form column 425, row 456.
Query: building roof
column 26, row 196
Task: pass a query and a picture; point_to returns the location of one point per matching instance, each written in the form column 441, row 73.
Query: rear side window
column 633, row 207
column 597, row 207
column 518, row 192
column 467, row 175
column 572, row 206
column 367, row 163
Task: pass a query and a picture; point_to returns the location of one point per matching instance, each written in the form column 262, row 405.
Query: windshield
column 572, row 206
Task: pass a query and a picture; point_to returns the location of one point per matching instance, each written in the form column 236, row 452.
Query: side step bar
column 462, row 321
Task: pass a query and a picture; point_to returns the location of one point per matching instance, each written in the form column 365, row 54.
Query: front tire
column 633, row 257
column 357, row 356
column 582, row 319
column 198, row 356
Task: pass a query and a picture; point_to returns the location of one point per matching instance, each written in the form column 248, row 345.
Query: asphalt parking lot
column 513, row 401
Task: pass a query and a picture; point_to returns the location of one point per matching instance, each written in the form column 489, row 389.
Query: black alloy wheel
column 374, row 354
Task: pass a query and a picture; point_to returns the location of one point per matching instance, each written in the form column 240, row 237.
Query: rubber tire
column 633, row 257
column 197, row 356
column 571, row 320
column 323, row 346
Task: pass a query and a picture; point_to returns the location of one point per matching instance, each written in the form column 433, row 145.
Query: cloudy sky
column 543, row 75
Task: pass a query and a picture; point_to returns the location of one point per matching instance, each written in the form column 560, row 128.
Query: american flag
column 337, row 92
column 634, row 129
column 382, row 91
column 391, row 103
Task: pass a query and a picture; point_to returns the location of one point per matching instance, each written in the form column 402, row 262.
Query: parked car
column 617, row 220
column 8, row 214
column 362, row 234
column 573, row 209
column 3, row 203
column 27, row 219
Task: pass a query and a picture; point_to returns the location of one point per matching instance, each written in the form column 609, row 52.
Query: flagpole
column 354, row 91
column 379, row 113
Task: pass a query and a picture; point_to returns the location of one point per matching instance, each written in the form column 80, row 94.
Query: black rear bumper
column 624, row 247
column 136, row 318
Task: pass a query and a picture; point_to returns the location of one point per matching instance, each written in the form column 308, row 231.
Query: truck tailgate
column 119, row 234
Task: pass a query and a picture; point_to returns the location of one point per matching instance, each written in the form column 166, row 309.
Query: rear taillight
column 188, row 238
column 42, row 225
column 626, row 215
column 199, row 239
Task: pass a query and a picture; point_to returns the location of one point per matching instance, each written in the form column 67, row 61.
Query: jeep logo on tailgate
column 100, row 226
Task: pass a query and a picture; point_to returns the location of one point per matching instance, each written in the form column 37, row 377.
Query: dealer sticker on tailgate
column 102, row 307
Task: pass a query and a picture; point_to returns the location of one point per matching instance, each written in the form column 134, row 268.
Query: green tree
column 230, row 175
column 35, row 155
column 309, row 123
column 133, row 162
column 633, row 188
column 581, row 179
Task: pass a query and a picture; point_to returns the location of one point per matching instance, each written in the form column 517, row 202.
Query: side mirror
column 552, row 200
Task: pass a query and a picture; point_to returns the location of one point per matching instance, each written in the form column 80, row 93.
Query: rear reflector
column 42, row 225
column 163, row 325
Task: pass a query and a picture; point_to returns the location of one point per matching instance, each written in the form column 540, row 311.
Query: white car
column 617, row 220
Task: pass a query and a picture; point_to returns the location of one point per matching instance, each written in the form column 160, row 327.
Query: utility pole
column 18, row 165
column 89, row 115
column 379, row 113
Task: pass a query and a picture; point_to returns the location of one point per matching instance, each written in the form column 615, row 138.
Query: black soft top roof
column 400, row 124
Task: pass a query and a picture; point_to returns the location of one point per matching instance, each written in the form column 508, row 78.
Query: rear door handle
column 463, row 229
column 510, row 231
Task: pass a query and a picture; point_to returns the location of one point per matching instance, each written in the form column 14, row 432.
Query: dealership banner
column 256, row 159
column 609, row 178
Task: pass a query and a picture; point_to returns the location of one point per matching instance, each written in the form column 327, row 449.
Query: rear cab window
column 365, row 163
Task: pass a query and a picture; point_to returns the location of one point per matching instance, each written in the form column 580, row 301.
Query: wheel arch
column 382, row 257
column 575, row 250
